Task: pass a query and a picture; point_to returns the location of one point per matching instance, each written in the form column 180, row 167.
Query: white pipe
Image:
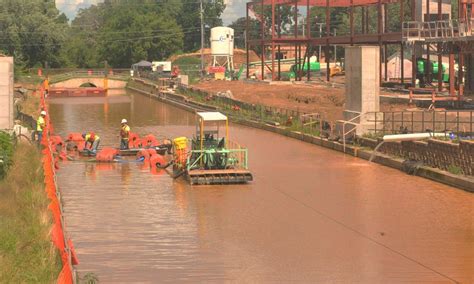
column 412, row 136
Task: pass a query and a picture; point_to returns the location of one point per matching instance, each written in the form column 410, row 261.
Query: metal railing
column 436, row 30
column 90, row 74
column 352, row 122
column 233, row 156
column 459, row 122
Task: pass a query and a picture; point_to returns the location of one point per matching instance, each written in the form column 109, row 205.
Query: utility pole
column 202, row 39
column 245, row 39
column 335, row 48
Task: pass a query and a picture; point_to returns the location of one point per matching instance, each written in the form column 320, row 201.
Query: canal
column 310, row 215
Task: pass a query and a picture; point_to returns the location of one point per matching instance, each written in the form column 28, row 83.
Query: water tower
column 222, row 47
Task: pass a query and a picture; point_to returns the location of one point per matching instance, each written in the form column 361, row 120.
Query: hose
column 175, row 176
column 158, row 165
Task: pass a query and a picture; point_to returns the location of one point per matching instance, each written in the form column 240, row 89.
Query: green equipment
column 213, row 158
column 236, row 76
column 313, row 67
column 423, row 66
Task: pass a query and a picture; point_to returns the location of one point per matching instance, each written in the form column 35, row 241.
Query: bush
column 6, row 153
column 189, row 66
column 455, row 170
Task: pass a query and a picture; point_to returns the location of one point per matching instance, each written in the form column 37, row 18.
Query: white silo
column 222, row 47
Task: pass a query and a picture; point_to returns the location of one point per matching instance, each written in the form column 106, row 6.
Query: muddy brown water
column 311, row 215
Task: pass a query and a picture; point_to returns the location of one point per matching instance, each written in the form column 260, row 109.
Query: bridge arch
column 87, row 85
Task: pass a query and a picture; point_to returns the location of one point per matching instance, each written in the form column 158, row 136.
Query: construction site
column 334, row 143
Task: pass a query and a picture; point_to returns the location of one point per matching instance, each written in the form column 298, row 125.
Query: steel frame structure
column 270, row 35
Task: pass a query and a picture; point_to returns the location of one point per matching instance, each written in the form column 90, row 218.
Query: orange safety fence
column 52, row 151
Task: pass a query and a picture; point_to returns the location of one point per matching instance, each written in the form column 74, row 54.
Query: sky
column 234, row 8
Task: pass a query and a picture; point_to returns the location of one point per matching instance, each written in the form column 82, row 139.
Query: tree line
column 119, row 32
column 122, row 32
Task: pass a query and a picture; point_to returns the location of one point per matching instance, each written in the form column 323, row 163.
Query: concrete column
column 6, row 93
column 362, row 85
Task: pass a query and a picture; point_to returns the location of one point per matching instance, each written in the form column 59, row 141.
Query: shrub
column 6, row 152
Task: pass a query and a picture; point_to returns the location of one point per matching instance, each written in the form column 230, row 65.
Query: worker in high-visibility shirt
column 124, row 135
column 92, row 140
column 40, row 124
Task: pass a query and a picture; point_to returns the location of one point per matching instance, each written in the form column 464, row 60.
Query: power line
column 111, row 32
column 363, row 235
column 104, row 40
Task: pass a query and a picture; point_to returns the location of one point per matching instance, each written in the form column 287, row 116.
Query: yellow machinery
column 336, row 71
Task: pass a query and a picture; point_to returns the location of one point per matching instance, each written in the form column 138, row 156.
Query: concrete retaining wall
column 439, row 154
column 6, row 92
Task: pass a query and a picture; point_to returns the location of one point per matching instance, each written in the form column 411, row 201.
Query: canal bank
column 363, row 148
column 27, row 253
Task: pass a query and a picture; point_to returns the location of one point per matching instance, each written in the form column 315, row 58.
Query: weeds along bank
column 34, row 246
column 26, row 251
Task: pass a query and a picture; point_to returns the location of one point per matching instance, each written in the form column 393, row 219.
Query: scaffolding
column 307, row 26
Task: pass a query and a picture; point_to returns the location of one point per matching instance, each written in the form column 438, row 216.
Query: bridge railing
column 116, row 74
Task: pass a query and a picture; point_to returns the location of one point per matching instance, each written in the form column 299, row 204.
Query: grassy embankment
column 30, row 105
column 189, row 66
column 26, row 251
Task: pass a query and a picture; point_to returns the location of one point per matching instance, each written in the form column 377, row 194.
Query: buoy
column 76, row 137
column 106, row 155
column 133, row 140
column 157, row 161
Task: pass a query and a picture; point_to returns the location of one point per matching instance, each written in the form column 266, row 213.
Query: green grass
column 26, row 251
column 6, row 152
column 27, row 78
column 30, row 105
column 455, row 170
column 189, row 66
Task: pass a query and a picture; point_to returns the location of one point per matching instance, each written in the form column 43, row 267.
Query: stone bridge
column 89, row 82
column 88, row 79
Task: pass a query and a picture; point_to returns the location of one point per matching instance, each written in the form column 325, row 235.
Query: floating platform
column 77, row 92
column 128, row 152
column 209, row 177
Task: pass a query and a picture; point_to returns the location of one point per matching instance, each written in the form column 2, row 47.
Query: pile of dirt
column 325, row 100
column 328, row 102
column 240, row 56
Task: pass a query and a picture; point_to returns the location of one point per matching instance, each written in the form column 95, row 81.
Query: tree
column 124, row 32
column 33, row 31
column 135, row 32
column 189, row 20
column 240, row 26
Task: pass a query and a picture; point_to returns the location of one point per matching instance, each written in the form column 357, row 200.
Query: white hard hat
column 124, row 120
column 43, row 112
